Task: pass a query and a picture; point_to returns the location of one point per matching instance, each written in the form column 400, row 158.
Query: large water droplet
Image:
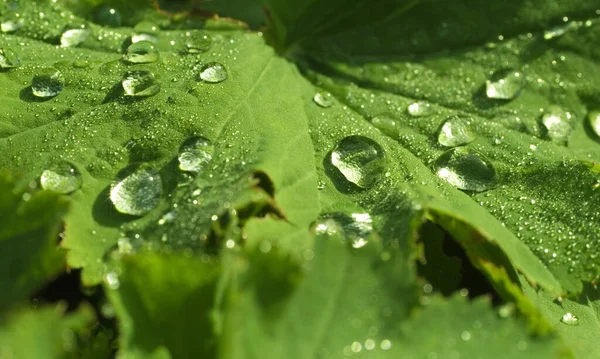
column 386, row 124
column 138, row 193
column 194, row 154
column 140, row 83
column 465, row 169
column 8, row 58
column 108, row 15
column 47, row 82
column 594, row 120
column 141, row 52
column 213, row 72
column 558, row 124
column 63, row 178
column 73, row 37
column 11, row 24
column 359, row 159
column 569, row 319
column 145, row 31
column 505, row 84
column 456, row 131
column 197, row 41
column 356, row 227
column 419, row 109
column 323, row 99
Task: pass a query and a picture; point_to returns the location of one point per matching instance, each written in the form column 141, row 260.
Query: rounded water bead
column 63, row 178
column 504, row 85
column 73, row 37
column 197, row 41
column 138, row 193
column 8, row 58
column 594, row 120
column 194, row 154
column 47, row 82
column 465, row 169
column 11, row 24
column 558, row 124
column 355, row 227
column 419, row 109
column 359, row 159
column 140, row 83
column 323, row 99
column 213, row 72
column 456, row 131
column 569, row 319
column 141, row 52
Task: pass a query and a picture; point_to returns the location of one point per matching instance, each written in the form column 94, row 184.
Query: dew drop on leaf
column 359, row 159
column 558, row 124
column 141, row 52
column 112, row 280
column 560, row 30
column 47, row 82
column 63, row 178
column 569, row 319
column 504, row 85
column 323, row 99
column 138, row 193
column 386, row 124
column 197, row 41
column 8, row 58
column 73, row 37
column 194, row 154
column 140, row 83
column 11, row 24
column 419, row 109
column 356, row 227
column 594, row 120
column 108, row 15
column 145, row 31
column 465, row 169
column 213, row 72
column 456, row 131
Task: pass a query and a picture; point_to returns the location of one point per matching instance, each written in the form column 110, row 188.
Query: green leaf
column 43, row 333
column 29, row 225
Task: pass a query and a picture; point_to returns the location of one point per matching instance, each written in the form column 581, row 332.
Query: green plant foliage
column 288, row 192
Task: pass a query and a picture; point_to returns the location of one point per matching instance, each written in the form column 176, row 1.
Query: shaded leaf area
column 30, row 221
column 47, row 333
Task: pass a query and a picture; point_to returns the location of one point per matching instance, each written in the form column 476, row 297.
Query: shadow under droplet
column 483, row 102
column 104, row 212
column 114, row 93
column 27, row 95
column 337, row 178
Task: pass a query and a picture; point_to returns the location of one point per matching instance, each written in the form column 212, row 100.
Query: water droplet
column 386, row 124
column 108, row 16
column 47, row 82
column 456, row 131
column 356, row 227
column 11, row 24
column 419, row 109
column 465, row 169
column 558, row 124
column 594, row 120
column 138, row 193
column 197, row 41
column 73, row 37
column 141, row 52
column 213, row 72
column 359, row 159
column 194, row 154
column 145, row 31
column 560, row 30
column 323, row 99
column 8, row 58
column 112, row 280
column 569, row 319
column 505, row 84
column 63, row 178
column 140, row 83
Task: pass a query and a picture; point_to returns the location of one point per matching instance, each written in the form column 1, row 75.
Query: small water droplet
column 465, row 169
column 8, row 58
column 386, row 124
column 356, row 227
column 47, row 82
column 138, row 193
column 456, row 131
column 112, row 280
column 145, row 31
column 323, row 99
column 108, row 16
column 73, row 37
column 141, row 52
column 505, row 84
column 569, row 319
column 594, row 120
column 194, row 154
column 359, row 159
column 558, row 124
column 419, row 109
column 197, row 41
column 213, row 72
column 63, row 178
column 140, row 83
